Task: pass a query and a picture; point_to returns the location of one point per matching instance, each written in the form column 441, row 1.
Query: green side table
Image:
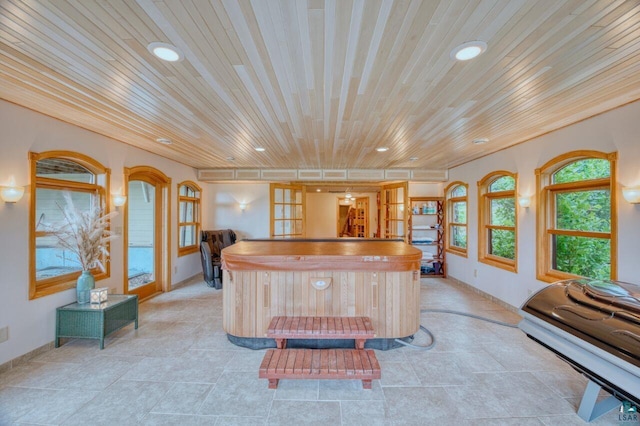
column 93, row 321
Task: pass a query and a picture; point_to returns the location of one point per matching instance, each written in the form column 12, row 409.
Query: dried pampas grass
column 84, row 232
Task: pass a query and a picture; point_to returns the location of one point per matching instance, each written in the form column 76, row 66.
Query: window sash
column 188, row 219
column 489, row 228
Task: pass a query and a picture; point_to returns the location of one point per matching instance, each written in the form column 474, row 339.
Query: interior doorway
column 147, row 230
column 353, row 217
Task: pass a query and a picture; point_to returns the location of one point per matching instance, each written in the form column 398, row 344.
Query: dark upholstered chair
column 211, row 245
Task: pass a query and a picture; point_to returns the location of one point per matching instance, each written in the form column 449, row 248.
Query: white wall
column 32, row 322
column 617, row 130
column 221, row 208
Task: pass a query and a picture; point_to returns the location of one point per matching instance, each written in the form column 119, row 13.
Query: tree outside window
column 576, row 236
column 188, row 217
column 498, row 220
column 456, row 194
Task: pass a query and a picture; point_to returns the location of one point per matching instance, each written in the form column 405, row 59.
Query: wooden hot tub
column 379, row 279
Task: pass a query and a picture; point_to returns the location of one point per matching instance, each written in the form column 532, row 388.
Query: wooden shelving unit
column 426, row 232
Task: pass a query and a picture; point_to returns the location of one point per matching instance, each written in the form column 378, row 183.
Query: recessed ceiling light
column 413, row 158
column 480, row 141
column 318, row 190
column 382, row 149
column 468, row 50
column 259, row 149
column 231, row 158
column 164, row 141
column 165, row 51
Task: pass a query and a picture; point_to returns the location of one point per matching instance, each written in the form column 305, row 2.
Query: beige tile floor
column 179, row 369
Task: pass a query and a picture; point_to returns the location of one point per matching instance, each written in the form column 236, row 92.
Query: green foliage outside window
column 583, row 210
column 587, row 257
column 502, row 242
column 459, row 236
column 458, row 217
column 505, row 183
column 460, row 212
column 592, row 168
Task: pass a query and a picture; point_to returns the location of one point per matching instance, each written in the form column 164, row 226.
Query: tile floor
column 179, row 369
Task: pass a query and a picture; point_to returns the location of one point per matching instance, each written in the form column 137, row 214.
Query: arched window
column 188, row 217
column 456, row 199
column 497, row 220
column 54, row 173
column 576, row 232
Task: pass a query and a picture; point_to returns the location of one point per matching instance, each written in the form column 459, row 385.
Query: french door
column 393, row 206
column 287, row 211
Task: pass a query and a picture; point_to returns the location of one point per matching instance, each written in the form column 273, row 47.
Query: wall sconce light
column 631, row 194
column 119, row 200
column 243, row 206
column 524, row 201
column 11, row 193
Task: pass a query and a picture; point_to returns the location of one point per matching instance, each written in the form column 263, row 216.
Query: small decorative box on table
column 96, row 321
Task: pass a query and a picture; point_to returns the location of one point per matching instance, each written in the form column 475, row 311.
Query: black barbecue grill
column 593, row 325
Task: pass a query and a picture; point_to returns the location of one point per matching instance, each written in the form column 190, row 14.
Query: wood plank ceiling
column 320, row 84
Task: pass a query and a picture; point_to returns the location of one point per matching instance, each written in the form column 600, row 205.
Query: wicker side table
column 90, row 321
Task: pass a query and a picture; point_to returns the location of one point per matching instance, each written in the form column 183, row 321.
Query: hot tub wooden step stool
column 282, row 363
column 319, row 364
column 282, row 328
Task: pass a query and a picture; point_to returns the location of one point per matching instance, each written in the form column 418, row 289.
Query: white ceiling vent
column 334, row 175
column 248, row 174
column 290, row 174
column 397, row 174
column 368, row 174
column 430, row 175
column 215, row 174
column 310, row 174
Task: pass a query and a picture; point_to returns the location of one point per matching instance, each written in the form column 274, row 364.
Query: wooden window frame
column 45, row 287
column 449, row 224
column 183, row 251
column 546, row 209
column 484, row 215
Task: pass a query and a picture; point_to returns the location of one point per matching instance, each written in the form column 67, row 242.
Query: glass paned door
column 142, row 240
column 287, row 211
column 393, row 208
column 362, row 217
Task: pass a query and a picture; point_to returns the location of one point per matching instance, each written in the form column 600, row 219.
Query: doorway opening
column 147, row 230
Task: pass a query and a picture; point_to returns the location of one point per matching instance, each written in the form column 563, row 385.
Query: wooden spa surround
column 379, row 279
